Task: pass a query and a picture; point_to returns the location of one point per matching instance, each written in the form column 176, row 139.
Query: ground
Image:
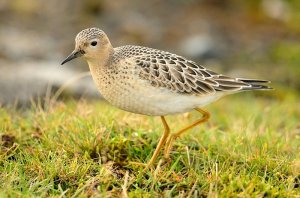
column 249, row 148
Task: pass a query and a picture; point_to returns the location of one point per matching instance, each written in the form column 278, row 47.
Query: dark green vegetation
column 250, row 147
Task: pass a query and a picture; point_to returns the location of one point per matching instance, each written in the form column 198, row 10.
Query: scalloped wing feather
column 164, row 69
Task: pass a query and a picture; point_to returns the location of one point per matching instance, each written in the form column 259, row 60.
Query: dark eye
column 94, row 43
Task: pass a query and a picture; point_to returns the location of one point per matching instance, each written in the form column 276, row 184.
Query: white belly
column 149, row 100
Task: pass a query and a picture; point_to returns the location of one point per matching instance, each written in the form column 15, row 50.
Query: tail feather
column 257, row 87
column 253, row 81
column 255, row 84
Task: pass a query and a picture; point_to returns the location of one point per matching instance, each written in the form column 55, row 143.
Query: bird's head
column 91, row 44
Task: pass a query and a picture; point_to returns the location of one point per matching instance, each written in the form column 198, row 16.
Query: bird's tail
column 255, row 84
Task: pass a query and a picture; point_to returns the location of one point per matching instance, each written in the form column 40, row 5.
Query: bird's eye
column 94, row 43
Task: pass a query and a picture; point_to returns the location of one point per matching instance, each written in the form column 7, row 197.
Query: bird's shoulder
column 135, row 51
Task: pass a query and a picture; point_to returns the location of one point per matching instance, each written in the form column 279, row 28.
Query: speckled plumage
column 88, row 34
column 153, row 82
column 178, row 74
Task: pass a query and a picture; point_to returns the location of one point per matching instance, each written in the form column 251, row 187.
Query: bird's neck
column 100, row 69
column 101, row 60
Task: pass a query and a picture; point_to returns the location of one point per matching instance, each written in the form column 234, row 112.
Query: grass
column 249, row 148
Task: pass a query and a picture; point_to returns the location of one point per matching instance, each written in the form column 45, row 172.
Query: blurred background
column 251, row 39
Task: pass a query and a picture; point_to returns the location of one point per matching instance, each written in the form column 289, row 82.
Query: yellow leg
column 205, row 117
column 162, row 141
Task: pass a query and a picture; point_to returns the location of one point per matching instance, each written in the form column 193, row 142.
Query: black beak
column 74, row 54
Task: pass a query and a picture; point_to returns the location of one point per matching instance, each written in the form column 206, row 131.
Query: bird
column 154, row 82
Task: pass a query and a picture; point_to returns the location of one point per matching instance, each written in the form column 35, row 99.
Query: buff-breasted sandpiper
column 153, row 82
